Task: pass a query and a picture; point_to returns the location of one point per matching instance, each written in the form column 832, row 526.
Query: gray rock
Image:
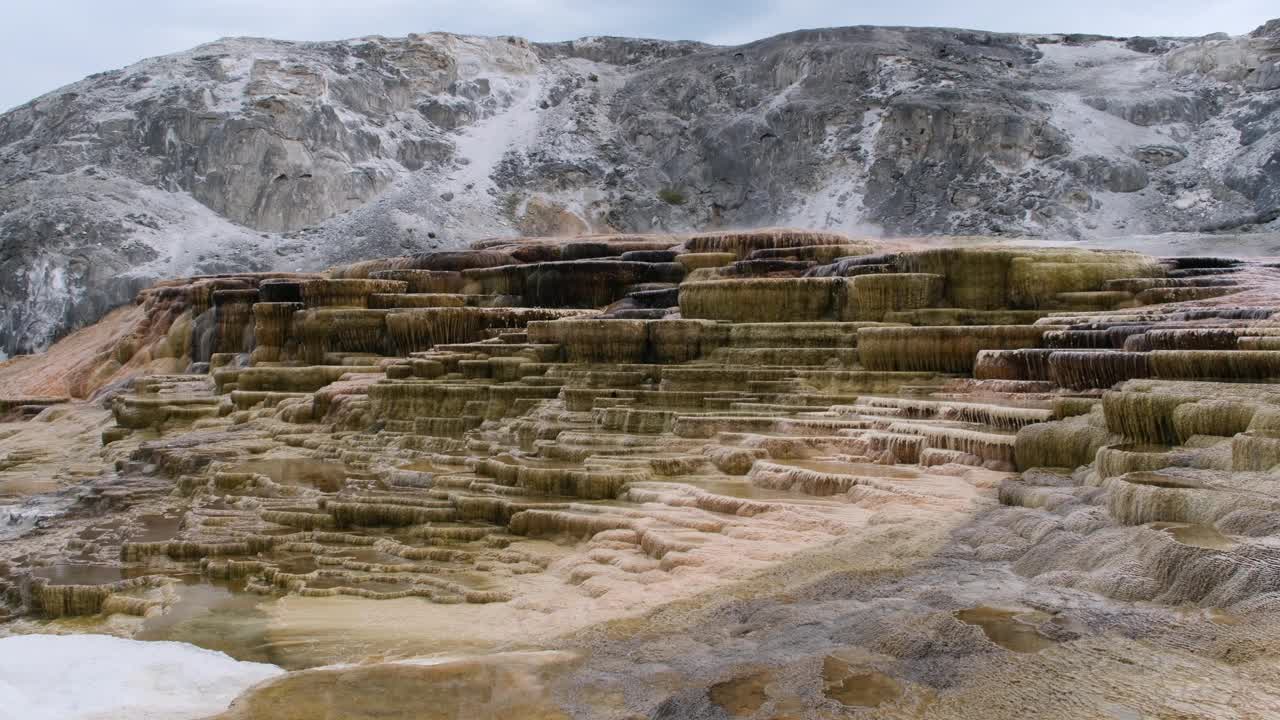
column 1269, row 29
column 1150, row 45
column 1106, row 174
column 1158, row 110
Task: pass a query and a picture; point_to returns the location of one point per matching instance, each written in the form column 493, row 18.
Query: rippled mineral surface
column 741, row 474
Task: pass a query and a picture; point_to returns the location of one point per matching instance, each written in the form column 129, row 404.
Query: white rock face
column 98, row 677
column 263, row 154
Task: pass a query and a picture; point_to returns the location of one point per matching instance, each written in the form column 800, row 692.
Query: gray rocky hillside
column 254, row 154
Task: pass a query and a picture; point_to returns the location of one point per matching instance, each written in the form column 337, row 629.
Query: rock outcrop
column 257, row 155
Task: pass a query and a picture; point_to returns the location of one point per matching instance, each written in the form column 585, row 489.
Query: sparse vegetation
column 510, row 205
column 671, row 196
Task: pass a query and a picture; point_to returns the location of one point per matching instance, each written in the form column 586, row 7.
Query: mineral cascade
column 753, row 474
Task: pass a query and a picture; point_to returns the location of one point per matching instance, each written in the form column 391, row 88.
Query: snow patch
column 1075, row 57
column 897, row 75
column 838, row 203
column 98, row 677
column 484, row 143
column 1191, row 198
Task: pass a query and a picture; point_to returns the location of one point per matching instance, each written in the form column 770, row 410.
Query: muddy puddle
column 1010, row 629
column 296, row 564
column 155, row 528
column 319, row 474
column 742, row 695
column 1201, row 536
column 217, row 616
column 849, row 684
column 72, row 574
column 1155, row 479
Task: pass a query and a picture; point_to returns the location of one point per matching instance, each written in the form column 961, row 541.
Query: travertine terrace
column 757, row 474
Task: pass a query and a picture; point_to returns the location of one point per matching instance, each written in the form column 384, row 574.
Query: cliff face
column 250, row 154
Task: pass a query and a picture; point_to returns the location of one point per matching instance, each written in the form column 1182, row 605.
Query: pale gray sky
column 45, row 44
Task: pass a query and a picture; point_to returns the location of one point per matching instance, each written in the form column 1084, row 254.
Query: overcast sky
column 45, row 44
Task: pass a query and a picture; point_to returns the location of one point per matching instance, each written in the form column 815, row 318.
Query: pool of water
column 1010, row 629
column 1202, row 536
column 72, row 574
column 319, row 474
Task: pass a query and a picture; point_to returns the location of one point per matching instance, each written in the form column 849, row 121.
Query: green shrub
column 671, row 196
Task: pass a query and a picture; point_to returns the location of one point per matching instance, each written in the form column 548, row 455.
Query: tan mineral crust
column 737, row 474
